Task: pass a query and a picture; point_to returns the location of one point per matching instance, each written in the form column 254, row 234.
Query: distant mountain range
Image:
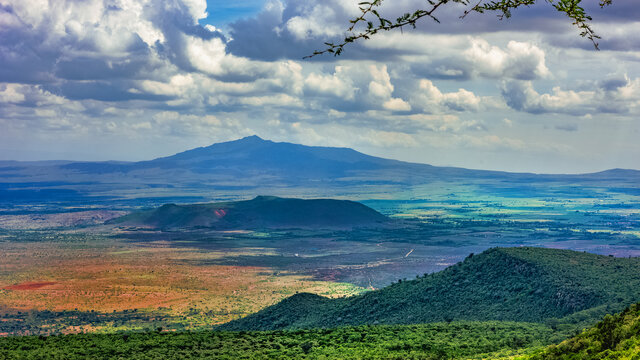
column 260, row 213
column 508, row 284
column 240, row 168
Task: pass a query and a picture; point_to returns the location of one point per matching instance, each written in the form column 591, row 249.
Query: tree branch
column 369, row 15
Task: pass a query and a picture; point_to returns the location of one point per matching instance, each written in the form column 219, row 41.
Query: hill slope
column 261, row 212
column 615, row 337
column 514, row 284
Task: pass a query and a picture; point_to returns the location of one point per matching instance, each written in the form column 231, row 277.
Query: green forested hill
column 615, row 337
column 512, row 284
column 260, row 212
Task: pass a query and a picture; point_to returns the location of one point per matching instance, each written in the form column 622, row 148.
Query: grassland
column 99, row 278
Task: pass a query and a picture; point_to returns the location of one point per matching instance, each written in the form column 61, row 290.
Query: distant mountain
column 246, row 167
column 266, row 161
column 513, row 284
column 261, row 212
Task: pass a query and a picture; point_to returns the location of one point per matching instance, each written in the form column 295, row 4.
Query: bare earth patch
column 88, row 273
column 29, row 285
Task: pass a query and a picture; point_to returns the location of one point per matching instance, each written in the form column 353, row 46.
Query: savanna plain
column 125, row 287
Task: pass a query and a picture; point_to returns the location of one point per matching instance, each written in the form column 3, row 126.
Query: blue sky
column 221, row 12
column 138, row 79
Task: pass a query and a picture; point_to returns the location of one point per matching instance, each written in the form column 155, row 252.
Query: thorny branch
column 374, row 22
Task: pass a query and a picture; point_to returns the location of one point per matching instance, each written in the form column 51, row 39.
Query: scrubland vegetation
column 615, row 337
column 430, row 341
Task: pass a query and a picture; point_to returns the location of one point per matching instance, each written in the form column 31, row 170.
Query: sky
column 138, row 79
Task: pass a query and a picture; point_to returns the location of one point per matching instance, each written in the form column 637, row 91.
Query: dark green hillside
column 513, row 284
column 431, row 341
column 261, row 212
column 616, row 337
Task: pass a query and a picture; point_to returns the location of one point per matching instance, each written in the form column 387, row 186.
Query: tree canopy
column 372, row 21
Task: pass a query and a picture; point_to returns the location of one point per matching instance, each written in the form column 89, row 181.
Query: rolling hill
column 260, row 212
column 508, row 284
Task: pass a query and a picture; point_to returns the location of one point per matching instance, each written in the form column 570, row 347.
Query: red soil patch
column 29, row 286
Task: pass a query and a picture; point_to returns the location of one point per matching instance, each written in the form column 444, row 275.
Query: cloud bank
column 131, row 71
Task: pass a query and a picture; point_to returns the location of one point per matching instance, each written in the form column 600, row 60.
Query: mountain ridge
column 505, row 284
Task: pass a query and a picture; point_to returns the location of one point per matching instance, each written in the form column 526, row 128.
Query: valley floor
column 65, row 274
